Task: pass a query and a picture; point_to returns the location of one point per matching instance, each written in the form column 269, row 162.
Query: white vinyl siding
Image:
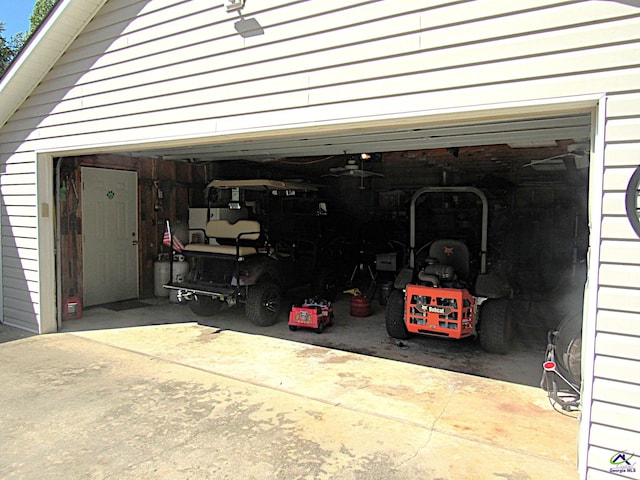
column 182, row 69
column 615, row 408
column 20, row 278
column 154, row 71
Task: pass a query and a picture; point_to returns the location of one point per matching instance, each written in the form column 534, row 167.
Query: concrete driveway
column 188, row 401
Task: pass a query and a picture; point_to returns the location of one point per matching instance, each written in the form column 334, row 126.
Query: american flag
column 172, row 241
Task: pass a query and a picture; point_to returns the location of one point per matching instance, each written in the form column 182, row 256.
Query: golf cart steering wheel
column 632, row 201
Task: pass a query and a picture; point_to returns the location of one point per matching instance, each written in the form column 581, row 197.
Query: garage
column 534, row 105
column 534, row 172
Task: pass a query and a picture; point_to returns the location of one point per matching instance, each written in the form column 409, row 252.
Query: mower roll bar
column 485, row 220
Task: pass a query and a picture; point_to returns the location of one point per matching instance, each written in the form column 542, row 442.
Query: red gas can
column 360, row 306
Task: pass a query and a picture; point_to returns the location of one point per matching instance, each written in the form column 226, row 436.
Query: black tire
column 205, row 306
column 293, row 328
column 394, row 316
column 568, row 344
column 320, row 327
column 325, row 285
column 263, row 305
column 496, row 326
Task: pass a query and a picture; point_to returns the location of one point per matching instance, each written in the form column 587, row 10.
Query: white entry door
column 109, row 235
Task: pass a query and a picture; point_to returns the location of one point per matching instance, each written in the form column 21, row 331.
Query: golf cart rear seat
column 222, row 231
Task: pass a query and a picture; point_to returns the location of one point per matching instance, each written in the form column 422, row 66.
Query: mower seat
column 453, row 253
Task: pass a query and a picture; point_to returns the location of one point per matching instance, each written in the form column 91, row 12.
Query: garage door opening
column 533, row 171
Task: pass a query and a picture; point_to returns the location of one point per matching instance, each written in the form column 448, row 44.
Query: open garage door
column 533, row 170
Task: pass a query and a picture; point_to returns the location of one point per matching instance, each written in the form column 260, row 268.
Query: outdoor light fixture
column 365, row 156
column 248, row 27
column 234, row 5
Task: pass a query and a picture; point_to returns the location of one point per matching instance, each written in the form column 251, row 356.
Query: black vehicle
column 254, row 261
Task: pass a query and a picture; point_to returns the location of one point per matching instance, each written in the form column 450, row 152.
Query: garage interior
column 534, row 172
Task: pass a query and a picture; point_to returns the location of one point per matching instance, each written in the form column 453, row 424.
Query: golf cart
column 444, row 293
column 250, row 261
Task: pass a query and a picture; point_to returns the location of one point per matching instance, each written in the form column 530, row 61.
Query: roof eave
column 44, row 48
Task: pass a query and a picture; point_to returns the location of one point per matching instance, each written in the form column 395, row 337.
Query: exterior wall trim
column 547, row 106
column 46, row 244
column 596, row 192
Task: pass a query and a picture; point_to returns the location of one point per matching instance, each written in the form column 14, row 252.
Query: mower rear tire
column 496, row 326
column 394, row 316
column 205, row 306
column 263, row 304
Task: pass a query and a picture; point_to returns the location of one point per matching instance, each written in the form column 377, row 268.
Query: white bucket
column 161, row 275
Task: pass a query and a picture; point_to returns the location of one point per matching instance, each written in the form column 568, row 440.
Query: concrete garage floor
column 169, row 398
column 364, row 335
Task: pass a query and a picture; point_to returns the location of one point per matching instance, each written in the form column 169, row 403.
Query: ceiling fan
column 351, row 168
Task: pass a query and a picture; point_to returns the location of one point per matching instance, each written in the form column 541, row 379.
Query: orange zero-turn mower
column 438, row 295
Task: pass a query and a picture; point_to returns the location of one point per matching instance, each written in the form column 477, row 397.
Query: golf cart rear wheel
column 205, row 306
column 263, row 304
column 394, row 316
column 496, row 326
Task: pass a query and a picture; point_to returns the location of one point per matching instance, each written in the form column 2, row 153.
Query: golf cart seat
column 453, row 253
column 228, row 238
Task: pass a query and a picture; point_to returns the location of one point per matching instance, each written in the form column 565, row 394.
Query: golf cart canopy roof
column 262, row 184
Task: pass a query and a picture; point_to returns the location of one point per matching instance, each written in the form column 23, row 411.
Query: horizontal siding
column 617, row 416
column 422, row 52
column 614, row 439
column 613, row 251
column 599, row 462
column 623, row 155
column 615, row 409
column 20, row 257
column 626, row 275
column 613, row 392
column 619, row 298
column 624, row 323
